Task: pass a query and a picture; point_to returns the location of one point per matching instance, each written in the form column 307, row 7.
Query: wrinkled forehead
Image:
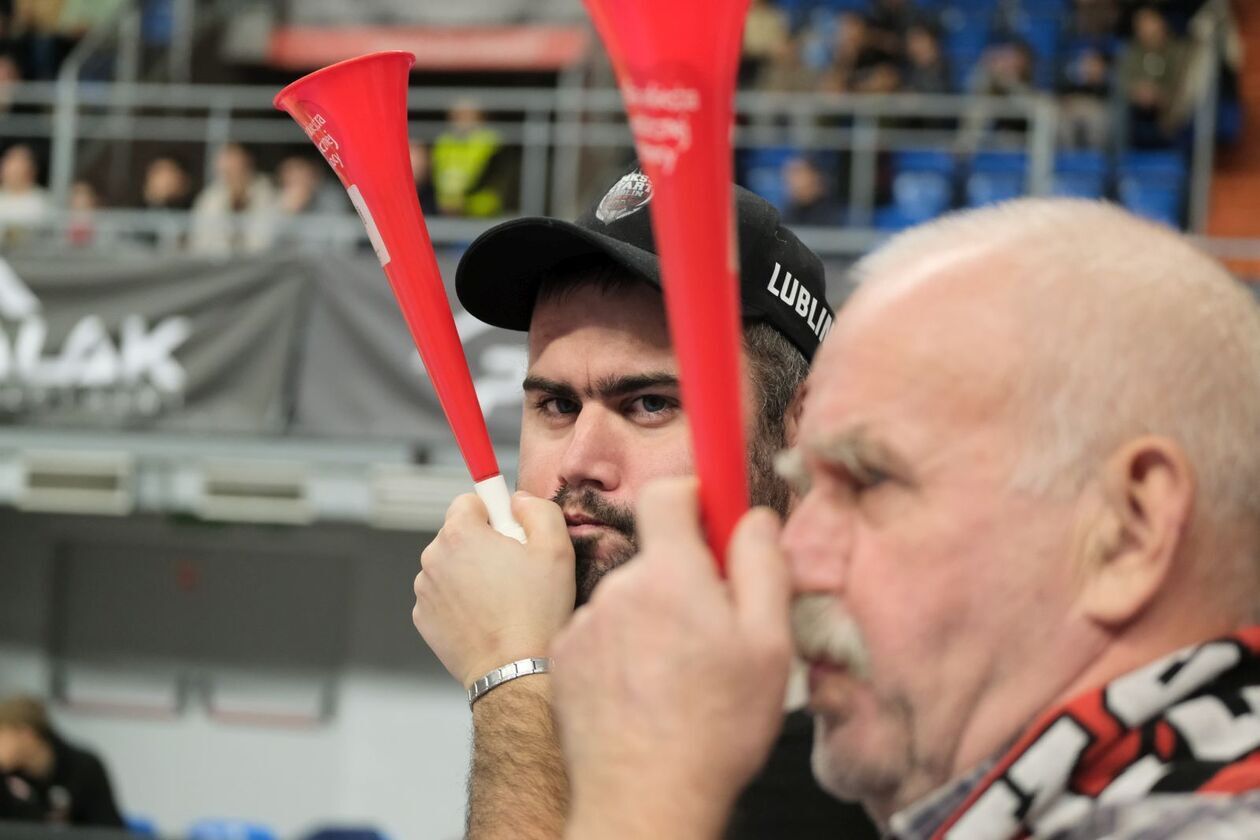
column 942, row 351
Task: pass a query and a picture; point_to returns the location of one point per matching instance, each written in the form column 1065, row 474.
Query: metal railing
column 549, row 126
column 559, row 131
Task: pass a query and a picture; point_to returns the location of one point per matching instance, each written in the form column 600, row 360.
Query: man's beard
column 765, row 488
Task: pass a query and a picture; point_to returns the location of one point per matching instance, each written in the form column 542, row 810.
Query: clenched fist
column 484, row 600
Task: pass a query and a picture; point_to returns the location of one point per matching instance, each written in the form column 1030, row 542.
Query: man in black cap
column 602, row 417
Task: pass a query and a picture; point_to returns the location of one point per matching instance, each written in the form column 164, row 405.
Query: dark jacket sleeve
column 94, row 796
column 13, row 808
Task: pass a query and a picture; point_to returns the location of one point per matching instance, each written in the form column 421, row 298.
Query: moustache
column 588, row 502
column 824, row 631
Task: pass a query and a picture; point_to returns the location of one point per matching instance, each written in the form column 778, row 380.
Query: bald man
column 1024, row 570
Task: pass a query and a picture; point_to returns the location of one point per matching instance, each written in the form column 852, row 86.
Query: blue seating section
column 925, row 183
column 1152, row 184
column 923, row 187
column 1080, row 174
column 229, row 829
column 140, row 826
column 929, row 182
column 996, row 176
column 763, row 172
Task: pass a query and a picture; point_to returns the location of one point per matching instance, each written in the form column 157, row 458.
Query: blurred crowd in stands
column 1080, row 50
column 240, row 209
column 1118, row 69
column 1122, row 72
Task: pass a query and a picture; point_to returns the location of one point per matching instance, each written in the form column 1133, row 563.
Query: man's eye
column 556, row 406
column 651, row 409
column 654, row 404
column 868, row 478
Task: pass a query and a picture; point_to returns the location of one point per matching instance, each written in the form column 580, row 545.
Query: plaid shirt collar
column 921, row 820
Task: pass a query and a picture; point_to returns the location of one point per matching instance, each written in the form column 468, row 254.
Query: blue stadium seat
column 923, row 186
column 1153, row 184
column 976, row 7
column 1000, row 162
column 763, row 172
column 227, row 829
column 140, row 826
column 922, row 195
column 996, row 176
column 966, row 34
column 892, row 219
column 1080, row 174
column 1160, row 165
column 924, row 160
column 861, row 6
column 1158, row 202
column 345, row 833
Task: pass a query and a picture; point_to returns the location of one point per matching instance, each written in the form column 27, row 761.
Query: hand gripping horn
column 355, row 112
column 676, row 63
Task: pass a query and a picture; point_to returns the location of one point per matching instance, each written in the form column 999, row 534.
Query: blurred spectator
column 8, row 43
column 36, row 24
column 78, row 17
column 23, row 202
column 1095, row 19
column 469, row 172
column 10, row 77
column 166, row 185
column 786, row 71
column 1150, row 77
column 1084, row 116
column 45, row 777
column 1005, row 70
column 860, row 63
column 84, row 202
column 235, row 213
column 926, row 69
column 304, row 191
column 765, row 32
column 889, row 21
column 809, row 201
column 421, row 173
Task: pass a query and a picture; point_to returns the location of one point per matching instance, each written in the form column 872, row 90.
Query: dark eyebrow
column 619, row 386
column 606, row 388
column 550, row 386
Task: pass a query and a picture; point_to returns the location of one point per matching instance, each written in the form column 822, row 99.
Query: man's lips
column 574, row 520
column 822, row 669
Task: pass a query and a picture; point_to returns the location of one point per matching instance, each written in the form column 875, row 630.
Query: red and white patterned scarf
column 1187, row 723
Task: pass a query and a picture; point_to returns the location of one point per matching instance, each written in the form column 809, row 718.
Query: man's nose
column 593, row 457
column 817, row 539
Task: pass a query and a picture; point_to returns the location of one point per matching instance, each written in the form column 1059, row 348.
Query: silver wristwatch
column 509, row 672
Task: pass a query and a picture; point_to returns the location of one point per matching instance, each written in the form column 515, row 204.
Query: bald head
column 1102, row 326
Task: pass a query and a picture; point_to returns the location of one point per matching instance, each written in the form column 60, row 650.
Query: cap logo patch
column 629, row 195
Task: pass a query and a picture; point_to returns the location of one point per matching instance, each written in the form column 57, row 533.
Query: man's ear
column 792, row 418
column 1148, row 488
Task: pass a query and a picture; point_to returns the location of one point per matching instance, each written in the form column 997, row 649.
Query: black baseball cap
column 782, row 282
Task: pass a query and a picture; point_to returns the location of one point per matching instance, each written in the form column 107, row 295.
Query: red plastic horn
column 676, row 64
column 355, row 112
